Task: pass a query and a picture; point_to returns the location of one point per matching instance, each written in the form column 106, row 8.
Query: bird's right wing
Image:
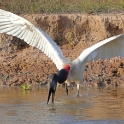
column 17, row 26
column 108, row 48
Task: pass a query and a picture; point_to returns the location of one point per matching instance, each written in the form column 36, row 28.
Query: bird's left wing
column 17, row 26
column 108, row 48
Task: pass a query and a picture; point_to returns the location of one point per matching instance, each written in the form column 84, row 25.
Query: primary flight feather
column 69, row 71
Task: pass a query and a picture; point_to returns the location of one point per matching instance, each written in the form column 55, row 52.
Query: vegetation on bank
column 62, row 6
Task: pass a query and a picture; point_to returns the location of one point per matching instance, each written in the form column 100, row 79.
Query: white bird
column 69, row 71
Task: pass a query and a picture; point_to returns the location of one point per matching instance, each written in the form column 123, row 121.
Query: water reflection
column 99, row 105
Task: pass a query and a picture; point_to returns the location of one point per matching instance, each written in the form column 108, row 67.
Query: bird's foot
column 67, row 92
column 87, row 92
column 66, row 89
column 78, row 94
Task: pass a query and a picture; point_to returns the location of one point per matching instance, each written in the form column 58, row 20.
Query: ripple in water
column 99, row 105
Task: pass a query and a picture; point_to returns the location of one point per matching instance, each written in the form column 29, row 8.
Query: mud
column 21, row 63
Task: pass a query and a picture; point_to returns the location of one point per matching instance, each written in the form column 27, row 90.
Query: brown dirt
column 21, row 63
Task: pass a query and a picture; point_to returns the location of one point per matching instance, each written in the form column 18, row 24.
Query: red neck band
column 67, row 68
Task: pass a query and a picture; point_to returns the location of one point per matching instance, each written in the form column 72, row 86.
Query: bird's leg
column 66, row 88
column 77, row 89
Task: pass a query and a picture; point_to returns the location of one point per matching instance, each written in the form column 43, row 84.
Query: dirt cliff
column 21, row 63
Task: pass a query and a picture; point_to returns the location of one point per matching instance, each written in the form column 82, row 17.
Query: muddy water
column 95, row 105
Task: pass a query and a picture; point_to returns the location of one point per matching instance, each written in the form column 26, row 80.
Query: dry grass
column 62, row 6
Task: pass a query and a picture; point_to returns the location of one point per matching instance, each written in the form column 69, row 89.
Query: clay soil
column 24, row 64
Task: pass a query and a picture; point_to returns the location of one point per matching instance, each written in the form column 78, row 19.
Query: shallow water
column 97, row 105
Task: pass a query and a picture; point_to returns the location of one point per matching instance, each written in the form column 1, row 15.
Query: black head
column 52, row 89
column 60, row 77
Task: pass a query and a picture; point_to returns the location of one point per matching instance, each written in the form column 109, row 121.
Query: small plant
column 25, row 87
column 38, row 81
column 4, row 78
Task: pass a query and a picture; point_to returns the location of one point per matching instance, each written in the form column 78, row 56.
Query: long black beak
column 52, row 89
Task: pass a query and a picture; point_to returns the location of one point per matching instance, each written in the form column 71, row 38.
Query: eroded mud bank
column 21, row 63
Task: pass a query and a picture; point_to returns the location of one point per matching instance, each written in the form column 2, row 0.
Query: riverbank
column 21, row 63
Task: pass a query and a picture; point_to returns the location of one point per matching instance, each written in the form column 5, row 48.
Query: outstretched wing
column 108, row 48
column 17, row 26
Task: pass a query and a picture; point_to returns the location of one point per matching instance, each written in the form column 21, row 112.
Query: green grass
column 62, row 6
column 25, row 87
column 4, row 78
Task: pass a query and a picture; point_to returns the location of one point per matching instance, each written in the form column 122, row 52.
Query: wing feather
column 18, row 32
column 5, row 20
column 21, row 34
column 108, row 48
column 14, row 31
column 33, row 38
column 5, row 23
column 17, row 26
column 5, row 26
column 36, row 38
column 7, row 29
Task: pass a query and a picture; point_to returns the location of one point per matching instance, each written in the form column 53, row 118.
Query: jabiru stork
column 69, row 71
